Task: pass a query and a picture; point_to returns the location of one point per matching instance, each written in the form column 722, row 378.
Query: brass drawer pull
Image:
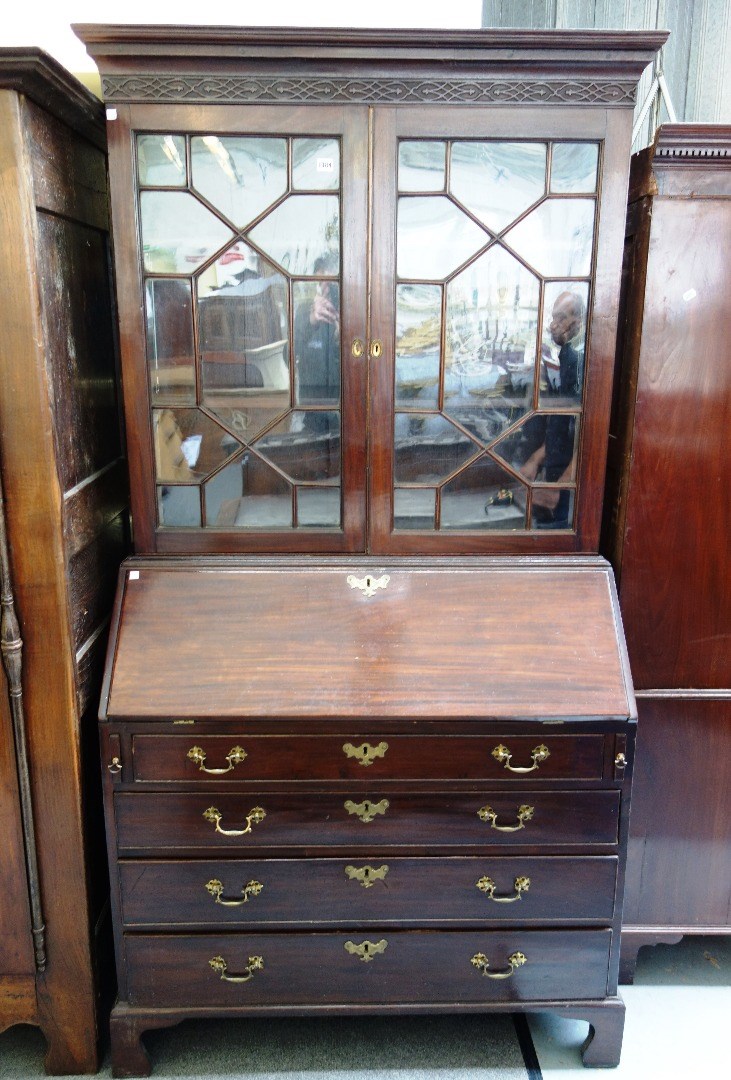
column 480, row 961
column 219, row 965
column 366, row 950
column 365, row 754
column 367, row 875
column 487, row 885
column 215, row 888
column 366, row 810
column 252, row 818
column 234, row 757
column 525, row 813
column 538, row 755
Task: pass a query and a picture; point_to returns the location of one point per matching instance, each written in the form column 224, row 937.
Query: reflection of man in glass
column 555, row 454
column 317, row 341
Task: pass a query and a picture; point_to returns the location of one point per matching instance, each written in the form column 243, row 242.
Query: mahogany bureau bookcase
column 368, row 722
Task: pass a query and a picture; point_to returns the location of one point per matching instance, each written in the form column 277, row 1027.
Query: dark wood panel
column 90, row 507
column 675, row 586
column 69, row 173
column 414, row 966
column 176, row 823
column 90, row 668
column 328, row 892
column 679, row 859
column 74, row 284
column 321, row 757
column 92, row 576
column 510, row 644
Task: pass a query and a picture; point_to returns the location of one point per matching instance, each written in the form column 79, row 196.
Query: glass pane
column 243, row 328
column 492, row 319
column 240, row 177
column 427, row 448
column 161, row 160
column 557, row 237
column 574, row 166
column 497, row 181
column 418, row 329
column 316, row 341
column 188, row 444
column 316, row 164
column 483, row 496
column 170, row 352
column 178, row 232
column 544, row 449
column 414, row 508
column 302, row 234
column 421, row 166
column 319, row 506
column 434, row 237
column 179, row 506
column 562, row 353
column 305, row 445
column 247, row 494
column 552, row 509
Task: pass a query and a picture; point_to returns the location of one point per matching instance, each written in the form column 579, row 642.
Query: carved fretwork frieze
column 242, row 89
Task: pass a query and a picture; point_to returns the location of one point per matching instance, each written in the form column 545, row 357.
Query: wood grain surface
column 304, row 643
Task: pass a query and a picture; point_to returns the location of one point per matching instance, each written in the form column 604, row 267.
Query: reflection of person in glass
column 554, row 457
column 317, row 341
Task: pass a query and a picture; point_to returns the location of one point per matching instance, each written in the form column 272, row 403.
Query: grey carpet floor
column 402, row 1048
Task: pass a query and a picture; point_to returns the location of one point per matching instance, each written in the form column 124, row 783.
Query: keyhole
column 368, row 582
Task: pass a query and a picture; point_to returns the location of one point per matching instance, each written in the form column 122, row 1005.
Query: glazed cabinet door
column 241, row 262
column 494, row 279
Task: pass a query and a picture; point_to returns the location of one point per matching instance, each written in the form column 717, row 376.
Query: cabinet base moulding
column 601, row 1049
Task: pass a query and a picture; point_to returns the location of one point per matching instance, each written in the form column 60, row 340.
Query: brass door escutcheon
column 487, row 885
column 369, row 584
column 367, row 949
column 367, row 875
column 252, row 818
column 365, row 754
column 525, row 813
column 357, row 348
column 234, row 757
column 215, row 888
column 515, row 960
column 538, row 755
column 366, row 810
column 219, row 965
column 376, row 349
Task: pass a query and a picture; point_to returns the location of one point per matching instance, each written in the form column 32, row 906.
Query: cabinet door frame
column 611, row 128
column 350, row 125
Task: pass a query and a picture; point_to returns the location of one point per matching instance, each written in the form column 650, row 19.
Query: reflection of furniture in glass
column 65, row 523
column 240, row 338
column 483, row 224
column 668, row 532
column 332, row 780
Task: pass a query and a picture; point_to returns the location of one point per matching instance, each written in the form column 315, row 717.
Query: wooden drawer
column 323, row 968
column 189, row 822
column 165, row 758
column 339, row 892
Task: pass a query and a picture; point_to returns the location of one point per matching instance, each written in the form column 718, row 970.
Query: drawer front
column 343, row 968
column 238, row 758
column 340, row 892
column 194, row 823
